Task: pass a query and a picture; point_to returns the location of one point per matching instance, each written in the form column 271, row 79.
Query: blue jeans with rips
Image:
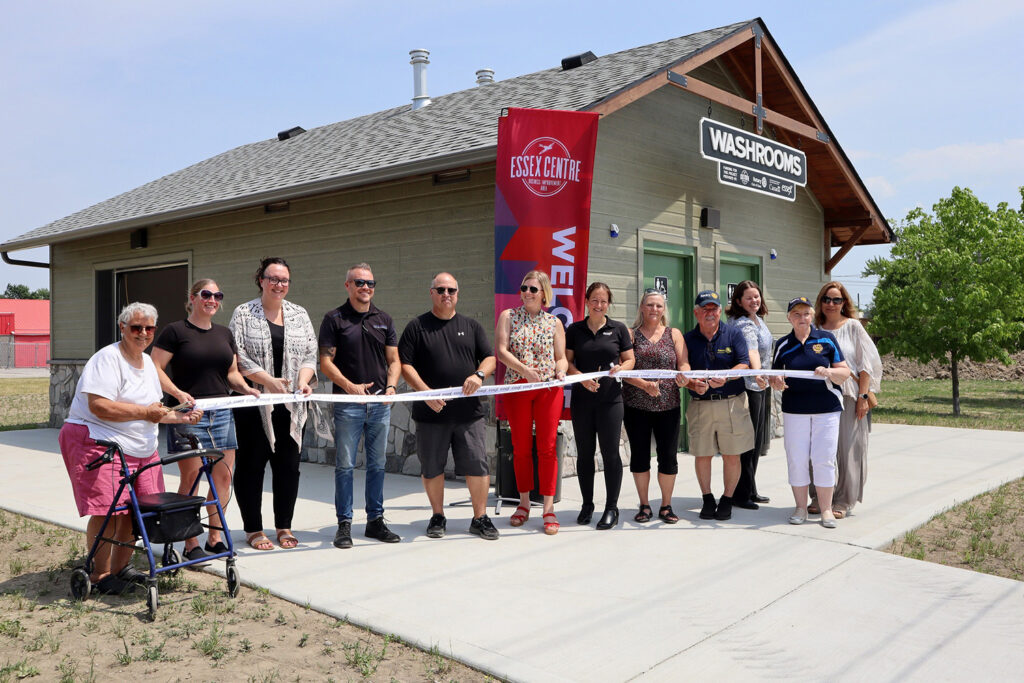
column 353, row 421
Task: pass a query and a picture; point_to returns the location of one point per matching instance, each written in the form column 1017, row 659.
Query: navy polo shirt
column 724, row 351
column 359, row 340
column 597, row 351
column 809, row 396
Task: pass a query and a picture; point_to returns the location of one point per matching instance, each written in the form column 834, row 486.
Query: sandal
column 551, row 528
column 258, row 540
column 520, row 516
column 666, row 515
column 838, row 513
column 285, row 539
column 814, row 508
column 645, row 514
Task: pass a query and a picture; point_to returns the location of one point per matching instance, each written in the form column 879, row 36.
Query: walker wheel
column 233, row 580
column 171, row 557
column 151, row 602
column 80, row 584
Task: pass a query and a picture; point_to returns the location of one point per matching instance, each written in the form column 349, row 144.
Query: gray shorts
column 466, row 440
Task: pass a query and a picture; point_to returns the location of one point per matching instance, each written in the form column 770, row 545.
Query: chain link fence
column 23, row 354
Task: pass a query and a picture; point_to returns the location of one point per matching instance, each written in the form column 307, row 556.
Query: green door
column 670, row 268
column 734, row 269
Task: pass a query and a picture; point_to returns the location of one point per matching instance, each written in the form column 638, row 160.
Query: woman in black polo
column 810, row 408
column 592, row 344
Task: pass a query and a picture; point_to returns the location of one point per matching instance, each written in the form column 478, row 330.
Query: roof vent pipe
column 484, row 76
column 419, row 63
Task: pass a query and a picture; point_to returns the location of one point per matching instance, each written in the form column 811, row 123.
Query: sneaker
column 112, row 585
column 196, row 553
column 436, row 526
column 724, row 510
column 376, row 528
column 483, row 527
column 707, row 511
column 343, row 537
column 132, row 575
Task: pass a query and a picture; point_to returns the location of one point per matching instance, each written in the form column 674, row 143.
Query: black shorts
column 467, row 443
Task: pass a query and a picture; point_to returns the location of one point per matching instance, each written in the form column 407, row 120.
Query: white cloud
column 956, row 161
column 879, row 187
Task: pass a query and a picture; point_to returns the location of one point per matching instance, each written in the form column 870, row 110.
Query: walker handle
column 107, row 457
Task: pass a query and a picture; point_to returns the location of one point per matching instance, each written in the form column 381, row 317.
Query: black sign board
column 756, row 181
column 738, row 147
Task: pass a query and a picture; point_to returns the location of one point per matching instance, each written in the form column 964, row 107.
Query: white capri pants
column 811, row 440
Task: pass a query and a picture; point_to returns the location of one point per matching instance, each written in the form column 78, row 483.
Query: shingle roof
column 357, row 149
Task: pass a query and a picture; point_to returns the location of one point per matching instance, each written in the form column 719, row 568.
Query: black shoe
column 724, row 510
column 132, row 575
column 761, row 499
column 376, row 528
column 196, row 553
column 586, row 513
column 435, row 527
column 707, row 511
column 609, row 519
column 343, row 537
column 112, row 585
column 746, row 505
column 217, row 548
column 484, row 528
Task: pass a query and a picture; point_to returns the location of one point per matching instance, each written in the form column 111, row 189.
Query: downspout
column 19, row 262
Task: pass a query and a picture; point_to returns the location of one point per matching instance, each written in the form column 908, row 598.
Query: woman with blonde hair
column 531, row 344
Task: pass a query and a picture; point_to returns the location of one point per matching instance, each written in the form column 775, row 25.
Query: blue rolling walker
column 160, row 518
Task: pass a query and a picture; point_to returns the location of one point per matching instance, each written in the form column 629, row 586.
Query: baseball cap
column 707, row 296
column 799, row 301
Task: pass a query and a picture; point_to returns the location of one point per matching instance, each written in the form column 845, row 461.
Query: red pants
column 543, row 408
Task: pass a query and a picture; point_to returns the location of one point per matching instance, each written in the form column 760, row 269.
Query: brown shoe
column 814, row 508
column 839, row 513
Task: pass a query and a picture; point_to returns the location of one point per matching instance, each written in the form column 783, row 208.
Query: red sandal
column 551, row 528
column 520, row 516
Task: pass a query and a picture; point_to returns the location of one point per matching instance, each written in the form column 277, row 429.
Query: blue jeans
column 351, row 422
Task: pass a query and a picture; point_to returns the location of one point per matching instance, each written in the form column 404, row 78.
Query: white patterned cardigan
column 255, row 353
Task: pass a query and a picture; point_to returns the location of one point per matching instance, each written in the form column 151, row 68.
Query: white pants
column 811, row 440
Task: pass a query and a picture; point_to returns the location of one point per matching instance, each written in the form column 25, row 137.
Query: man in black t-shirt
column 442, row 349
column 359, row 353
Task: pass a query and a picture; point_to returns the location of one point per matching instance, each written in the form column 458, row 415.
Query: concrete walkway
column 751, row 598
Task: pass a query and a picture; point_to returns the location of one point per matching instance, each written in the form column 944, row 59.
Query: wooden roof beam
column 847, row 246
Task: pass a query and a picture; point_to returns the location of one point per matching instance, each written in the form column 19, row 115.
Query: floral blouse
column 653, row 356
column 531, row 340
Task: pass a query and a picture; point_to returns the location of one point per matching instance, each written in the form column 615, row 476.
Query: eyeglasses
column 365, row 283
column 139, row 329
column 450, row 290
column 277, row 280
column 207, row 294
column 530, row 289
column 837, row 300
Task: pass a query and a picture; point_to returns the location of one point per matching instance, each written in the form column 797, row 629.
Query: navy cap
column 799, row 301
column 708, row 296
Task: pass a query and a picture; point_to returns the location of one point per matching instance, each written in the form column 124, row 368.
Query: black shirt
column 444, row 353
column 359, row 340
column 724, row 351
column 809, row 396
column 593, row 352
column 200, row 358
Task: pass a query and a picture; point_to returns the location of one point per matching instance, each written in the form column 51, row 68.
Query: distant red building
column 24, row 333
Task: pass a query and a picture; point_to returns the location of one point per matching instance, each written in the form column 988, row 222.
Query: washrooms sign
column 752, row 162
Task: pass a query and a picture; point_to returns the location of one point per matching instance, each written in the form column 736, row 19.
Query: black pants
column 664, row 426
column 593, row 422
column 251, row 462
column 759, row 404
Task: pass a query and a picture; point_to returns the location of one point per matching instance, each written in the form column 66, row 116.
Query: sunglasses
column 837, row 300
column 277, row 280
column 139, row 329
column 364, row 283
column 207, row 294
column 530, row 289
column 449, row 290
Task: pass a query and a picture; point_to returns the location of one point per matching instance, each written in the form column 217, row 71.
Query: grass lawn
column 984, row 404
column 24, row 402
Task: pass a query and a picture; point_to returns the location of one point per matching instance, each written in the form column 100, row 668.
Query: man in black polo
column 717, row 419
column 439, row 349
column 359, row 353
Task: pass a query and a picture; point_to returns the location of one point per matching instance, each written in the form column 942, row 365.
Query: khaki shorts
column 719, row 426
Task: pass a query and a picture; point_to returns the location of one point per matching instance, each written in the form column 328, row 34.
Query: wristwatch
column 864, row 396
column 480, row 375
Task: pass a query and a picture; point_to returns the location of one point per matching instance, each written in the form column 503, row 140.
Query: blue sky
column 98, row 98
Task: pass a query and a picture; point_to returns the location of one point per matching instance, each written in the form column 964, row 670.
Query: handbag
column 872, row 400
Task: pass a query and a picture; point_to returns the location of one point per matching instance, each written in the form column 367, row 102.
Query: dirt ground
column 894, row 369
column 200, row 633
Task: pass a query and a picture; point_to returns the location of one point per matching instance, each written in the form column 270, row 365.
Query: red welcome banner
column 545, row 169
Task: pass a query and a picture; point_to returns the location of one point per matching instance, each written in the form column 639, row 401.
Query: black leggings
column 760, row 415
column 664, row 425
column 593, row 422
column 251, row 462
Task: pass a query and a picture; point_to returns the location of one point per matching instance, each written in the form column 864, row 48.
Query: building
column 24, row 333
column 411, row 191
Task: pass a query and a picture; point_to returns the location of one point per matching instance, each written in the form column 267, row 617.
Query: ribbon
column 489, row 390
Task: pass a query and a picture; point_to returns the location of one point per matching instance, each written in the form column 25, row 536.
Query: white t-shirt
column 109, row 375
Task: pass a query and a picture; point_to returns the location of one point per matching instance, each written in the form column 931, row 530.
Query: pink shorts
column 94, row 490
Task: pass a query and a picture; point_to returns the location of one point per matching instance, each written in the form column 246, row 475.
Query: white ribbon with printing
column 489, row 390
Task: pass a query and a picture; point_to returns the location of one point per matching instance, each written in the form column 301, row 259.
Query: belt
column 714, row 397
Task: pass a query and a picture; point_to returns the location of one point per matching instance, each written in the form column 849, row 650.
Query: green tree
column 14, row 291
column 953, row 285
